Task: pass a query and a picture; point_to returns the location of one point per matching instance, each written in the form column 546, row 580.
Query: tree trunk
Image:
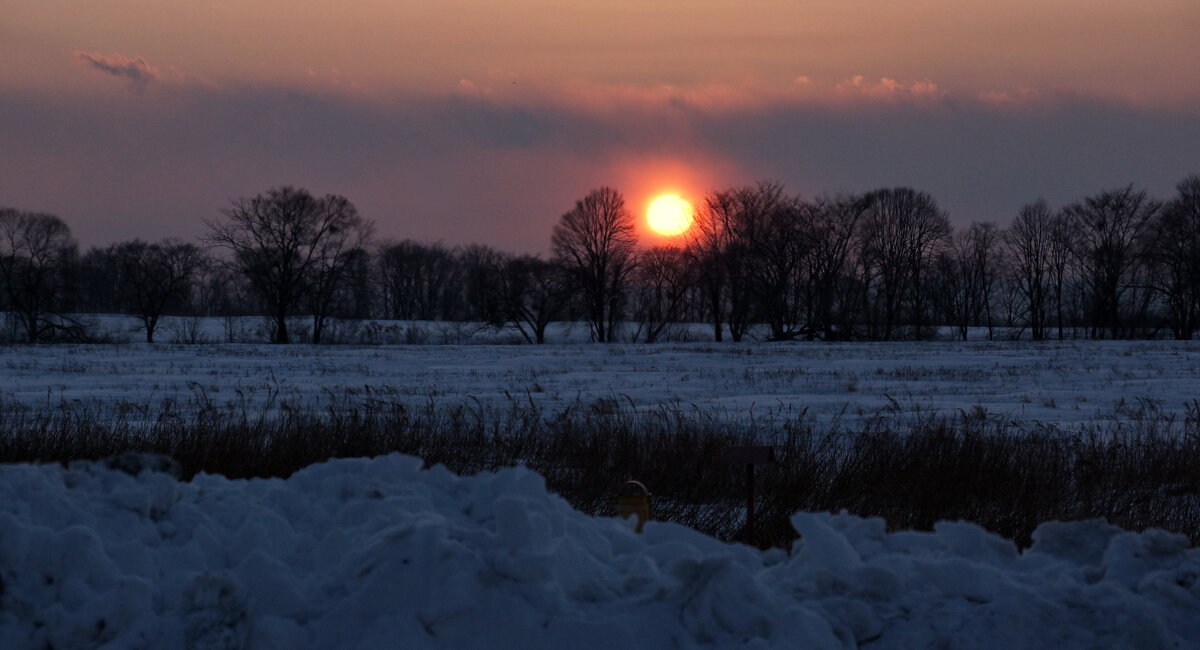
column 318, row 329
column 281, row 333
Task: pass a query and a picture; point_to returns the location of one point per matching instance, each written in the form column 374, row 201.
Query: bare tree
column 416, row 280
column 100, row 282
column 728, row 244
column 334, row 255
column 664, row 278
column 1028, row 245
column 37, row 254
column 705, row 251
column 967, row 272
column 980, row 250
column 1108, row 228
column 903, row 229
column 357, row 297
column 779, row 248
column 223, row 291
column 479, row 267
column 533, row 294
column 334, row 276
column 1174, row 252
column 832, row 227
column 594, row 244
column 154, row 275
column 288, row 243
column 1062, row 238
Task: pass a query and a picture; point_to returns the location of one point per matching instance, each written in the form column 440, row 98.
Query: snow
column 379, row 553
column 1061, row 383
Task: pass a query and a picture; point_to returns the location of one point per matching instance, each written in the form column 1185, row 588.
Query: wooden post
column 750, row 504
column 749, row 455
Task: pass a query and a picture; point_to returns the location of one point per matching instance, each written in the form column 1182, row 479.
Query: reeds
column 1139, row 471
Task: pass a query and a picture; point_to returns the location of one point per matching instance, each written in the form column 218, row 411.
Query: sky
column 483, row 122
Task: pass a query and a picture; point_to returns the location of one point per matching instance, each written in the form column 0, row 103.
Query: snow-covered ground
column 380, row 554
column 1051, row 382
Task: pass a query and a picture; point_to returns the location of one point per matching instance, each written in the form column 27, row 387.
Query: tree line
column 883, row 265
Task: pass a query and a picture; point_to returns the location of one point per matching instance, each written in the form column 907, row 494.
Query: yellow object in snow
column 635, row 504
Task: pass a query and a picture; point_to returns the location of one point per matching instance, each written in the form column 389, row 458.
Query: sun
column 669, row 215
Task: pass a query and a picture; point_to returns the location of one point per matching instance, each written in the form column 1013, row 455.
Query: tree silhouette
column 288, row 243
column 832, row 225
column 152, row 275
column 1174, row 253
column 967, row 270
column 532, row 294
column 594, row 244
column 1108, row 229
column 663, row 280
column 738, row 232
column 37, row 254
column 903, row 230
column 1028, row 248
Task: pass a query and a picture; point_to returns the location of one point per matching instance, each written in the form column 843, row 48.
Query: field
column 269, row 528
column 1006, row 434
column 1064, row 384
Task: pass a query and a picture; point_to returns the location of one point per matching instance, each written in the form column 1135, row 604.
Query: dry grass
column 1138, row 472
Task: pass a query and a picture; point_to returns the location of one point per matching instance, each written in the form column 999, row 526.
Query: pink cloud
column 889, row 89
column 717, row 98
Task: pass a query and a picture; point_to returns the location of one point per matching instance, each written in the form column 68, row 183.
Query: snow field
column 1057, row 383
column 381, row 554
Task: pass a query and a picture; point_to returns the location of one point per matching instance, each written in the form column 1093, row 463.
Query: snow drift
column 381, row 554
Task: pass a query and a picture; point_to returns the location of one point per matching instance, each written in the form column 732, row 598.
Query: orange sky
column 483, row 121
column 1145, row 52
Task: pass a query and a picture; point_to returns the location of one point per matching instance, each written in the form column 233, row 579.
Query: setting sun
column 669, row 215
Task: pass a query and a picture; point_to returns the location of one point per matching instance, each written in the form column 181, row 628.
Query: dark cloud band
column 463, row 170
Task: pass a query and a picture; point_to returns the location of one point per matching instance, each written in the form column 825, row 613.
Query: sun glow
column 669, row 215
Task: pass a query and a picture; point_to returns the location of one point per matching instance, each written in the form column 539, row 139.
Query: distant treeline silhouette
column 883, row 265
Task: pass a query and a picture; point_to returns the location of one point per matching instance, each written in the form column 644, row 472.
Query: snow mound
column 381, row 554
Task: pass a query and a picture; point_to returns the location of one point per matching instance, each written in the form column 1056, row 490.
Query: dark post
column 750, row 504
column 749, row 456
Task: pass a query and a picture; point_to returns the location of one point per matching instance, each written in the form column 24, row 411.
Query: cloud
column 137, row 72
column 608, row 99
column 1005, row 98
column 890, row 89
